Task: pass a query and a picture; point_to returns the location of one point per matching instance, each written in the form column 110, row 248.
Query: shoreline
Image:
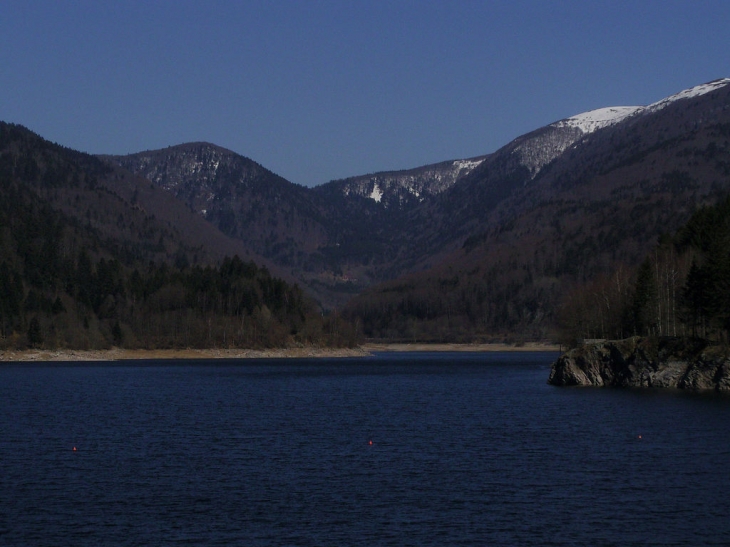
column 120, row 354
column 474, row 348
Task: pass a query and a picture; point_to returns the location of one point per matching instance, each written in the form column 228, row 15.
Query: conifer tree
column 644, row 302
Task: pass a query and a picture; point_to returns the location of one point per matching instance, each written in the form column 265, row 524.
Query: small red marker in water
column 370, row 442
column 74, row 449
column 639, row 436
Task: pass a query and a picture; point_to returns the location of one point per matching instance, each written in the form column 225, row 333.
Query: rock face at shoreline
column 645, row 362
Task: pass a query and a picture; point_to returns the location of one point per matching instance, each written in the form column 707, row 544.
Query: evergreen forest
column 71, row 277
column 682, row 288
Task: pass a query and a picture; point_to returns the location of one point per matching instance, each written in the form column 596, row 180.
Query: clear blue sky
column 318, row 90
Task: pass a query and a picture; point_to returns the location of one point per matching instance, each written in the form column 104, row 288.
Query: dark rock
column 683, row 363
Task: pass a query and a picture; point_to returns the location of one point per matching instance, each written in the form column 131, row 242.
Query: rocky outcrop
column 645, row 362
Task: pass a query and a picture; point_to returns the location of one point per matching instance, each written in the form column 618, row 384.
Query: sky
column 321, row 90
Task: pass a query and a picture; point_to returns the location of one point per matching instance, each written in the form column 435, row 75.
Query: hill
column 461, row 250
column 335, row 239
column 514, row 242
column 91, row 255
column 577, row 194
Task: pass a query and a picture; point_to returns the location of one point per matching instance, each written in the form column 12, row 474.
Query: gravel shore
column 119, row 354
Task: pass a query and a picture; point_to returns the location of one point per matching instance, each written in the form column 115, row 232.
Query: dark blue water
column 467, row 449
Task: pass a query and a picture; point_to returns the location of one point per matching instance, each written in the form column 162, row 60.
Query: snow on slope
column 391, row 189
column 533, row 151
column 376, row 194
column 545, row 146
column 588, row 122
column 469, row 165
column 538, row 151
column 695, row 91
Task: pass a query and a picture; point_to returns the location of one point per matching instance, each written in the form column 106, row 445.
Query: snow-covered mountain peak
column 695, row 91
column 543, row 146
column 588, row 122
column 591, row 121
column 537, row 151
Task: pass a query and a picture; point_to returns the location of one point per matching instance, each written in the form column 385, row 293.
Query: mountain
column 441, row 225
column 119, row 209
column 236, row 194
column 334, row 238
column 498, row 238
column 517, row 166
column 403, row 189
column 92, row 255
column 516, row 236
column 290, row 225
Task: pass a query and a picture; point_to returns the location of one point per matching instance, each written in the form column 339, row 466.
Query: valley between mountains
column 489, row 248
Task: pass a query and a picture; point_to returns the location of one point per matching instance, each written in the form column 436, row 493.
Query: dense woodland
column 81, row 267
column 681, row 289
column 52, row 296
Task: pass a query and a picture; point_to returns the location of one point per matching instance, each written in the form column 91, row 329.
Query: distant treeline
column 97, row 304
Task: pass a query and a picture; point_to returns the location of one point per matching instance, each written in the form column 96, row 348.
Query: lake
column 393, row 449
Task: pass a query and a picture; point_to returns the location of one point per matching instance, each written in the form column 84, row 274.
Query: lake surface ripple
column 394, row 449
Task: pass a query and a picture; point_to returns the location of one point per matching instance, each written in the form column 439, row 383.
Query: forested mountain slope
column 402, row 190
column 91, row 255
column 528, row 240
column 482, row 247
column 344, row 236
column 314, row 238
column 335, row 239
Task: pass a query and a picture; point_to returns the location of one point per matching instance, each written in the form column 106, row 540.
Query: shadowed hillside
column 91, row 256
column 600, row 205
column 485, row 248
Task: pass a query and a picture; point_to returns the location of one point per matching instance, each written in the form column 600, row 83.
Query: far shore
column 120, row 354
column 528, row 346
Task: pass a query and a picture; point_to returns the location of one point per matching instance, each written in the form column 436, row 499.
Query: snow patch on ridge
column 459, row 165
column 540, row 150
column 376, row 194
column 695, row 91
column 588, row 122
column 591, row 121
